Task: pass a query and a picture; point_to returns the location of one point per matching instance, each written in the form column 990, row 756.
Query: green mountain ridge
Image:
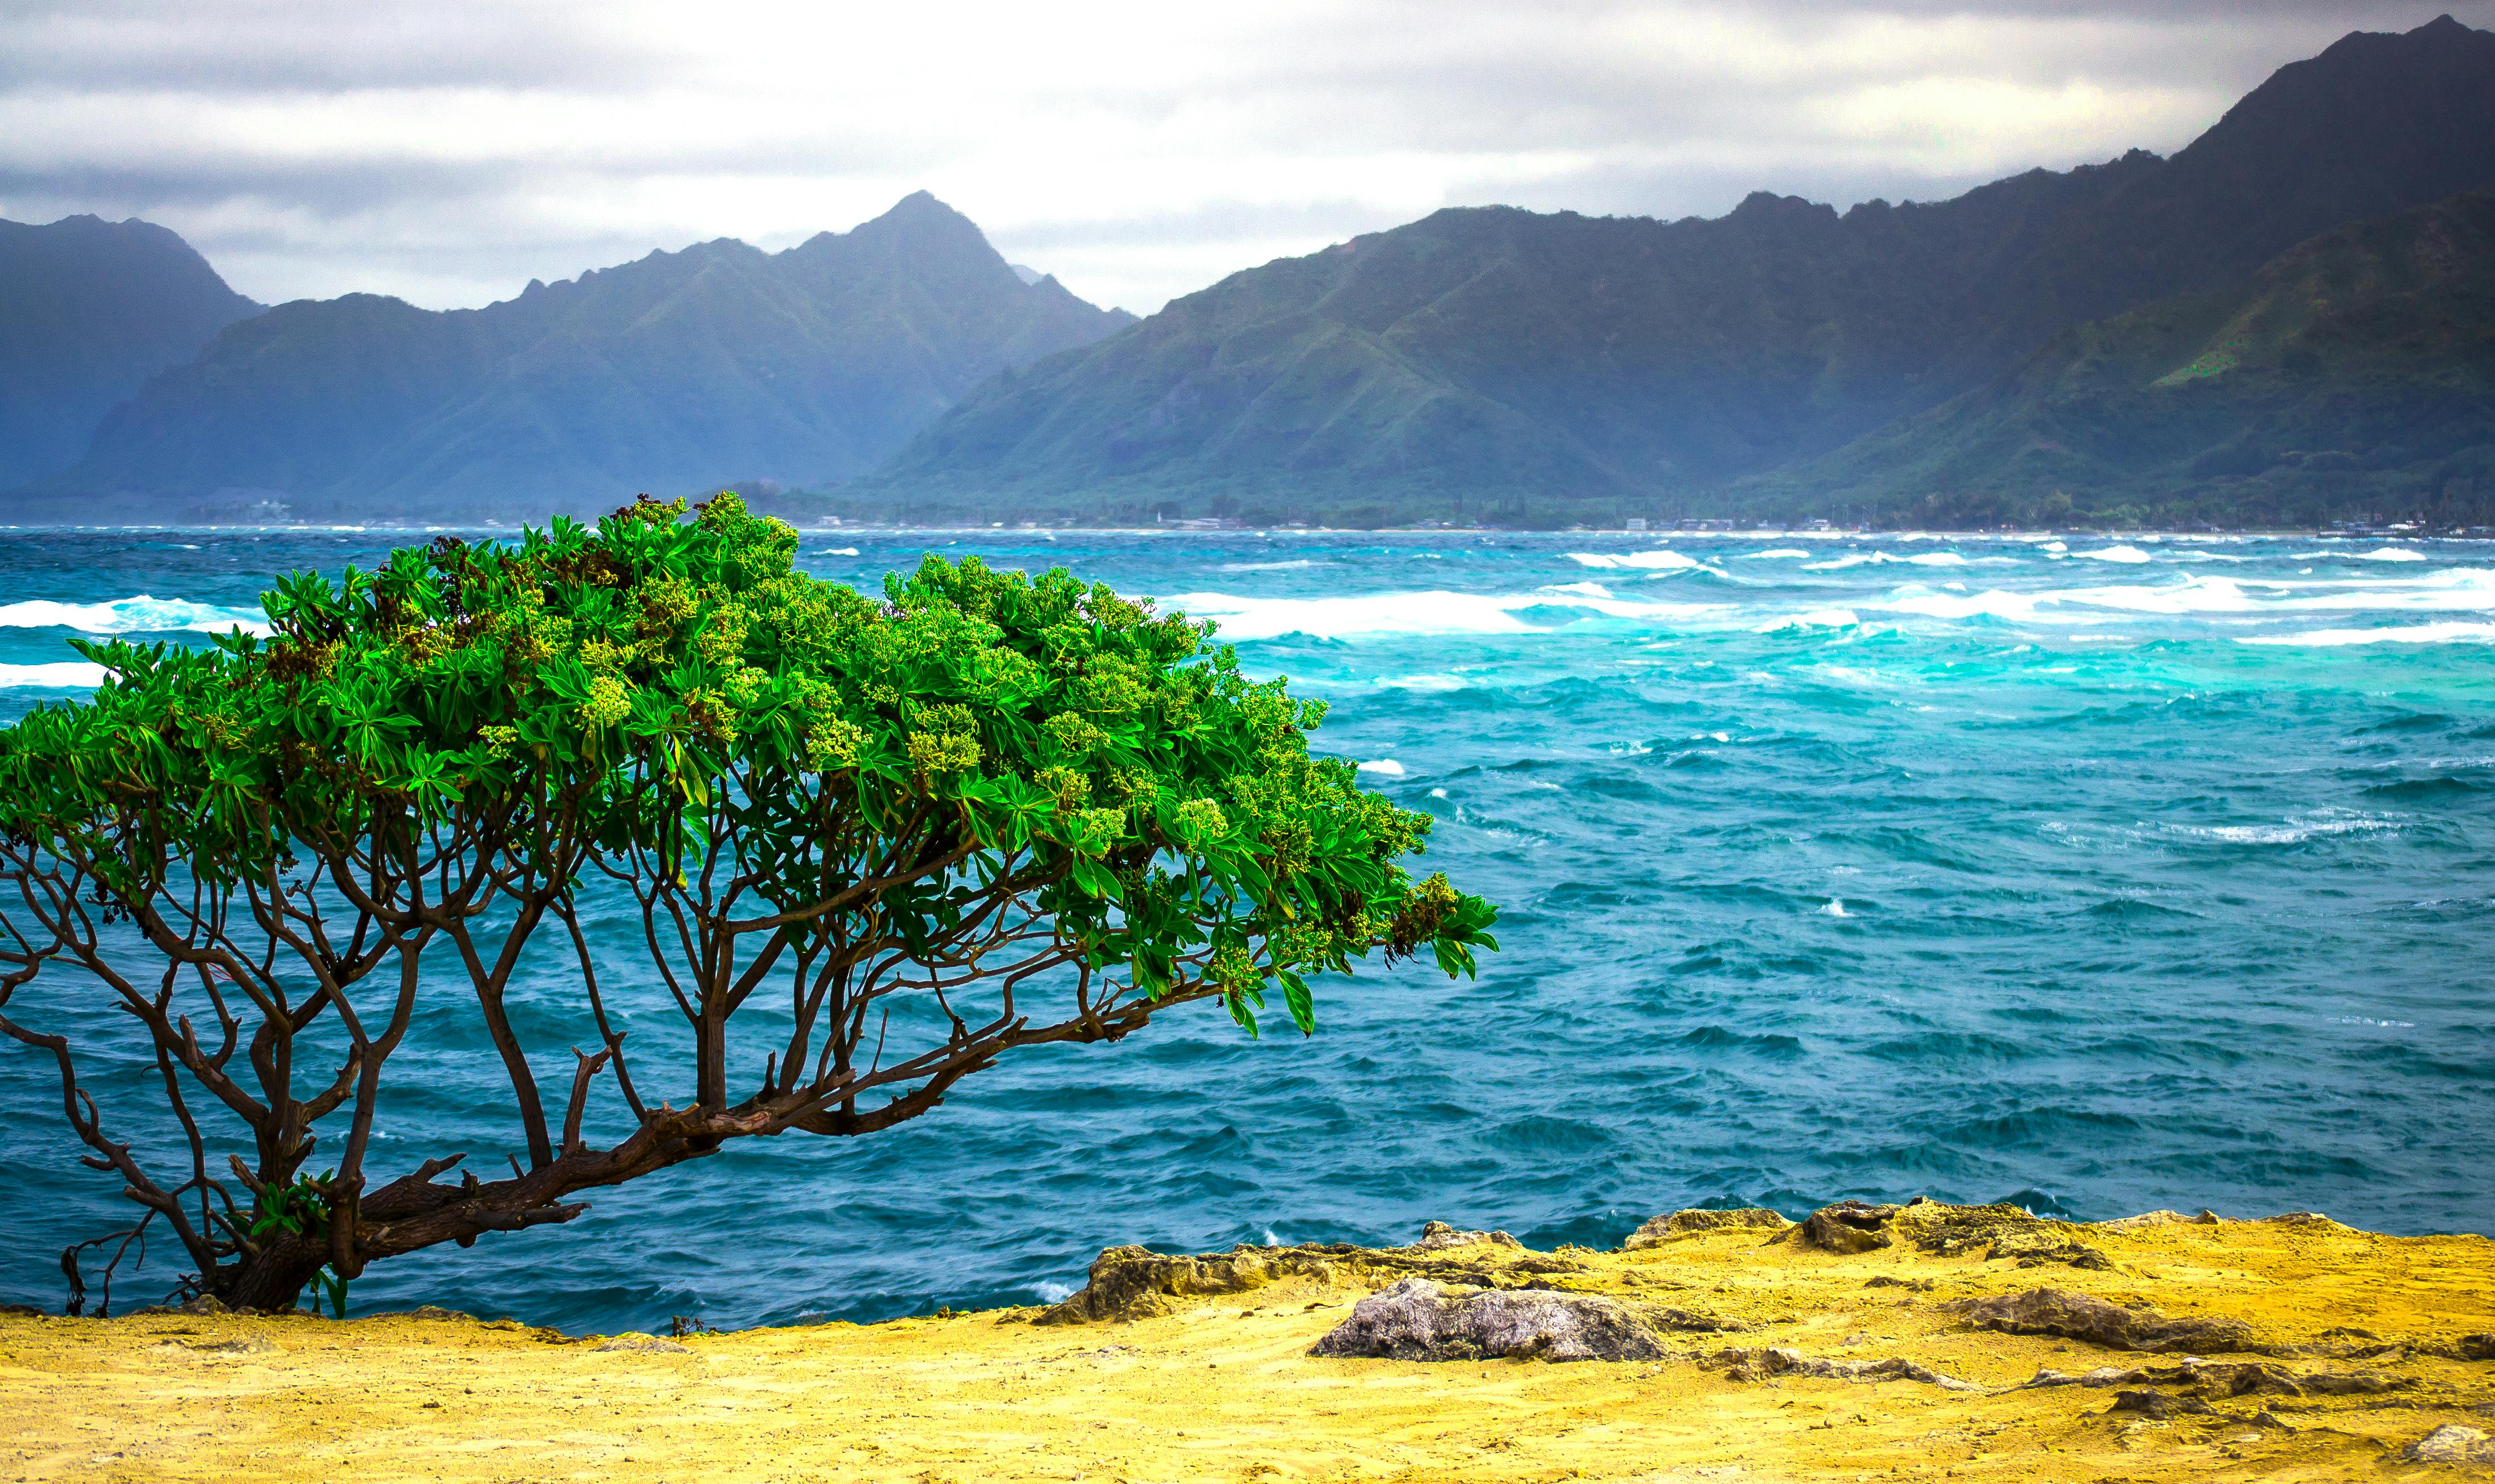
column 1503, row 364
column 2355, row 371
column 679, row 372
column 89, row 310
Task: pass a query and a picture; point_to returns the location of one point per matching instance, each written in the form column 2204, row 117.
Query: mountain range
column 1513, row 365
column 680, row 371
column 89, row 310
column 2285, row 320
column 2356, row 364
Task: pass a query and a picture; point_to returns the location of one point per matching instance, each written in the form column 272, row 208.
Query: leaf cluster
column 668, row 682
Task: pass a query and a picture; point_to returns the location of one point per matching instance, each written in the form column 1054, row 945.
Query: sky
column 448, row 152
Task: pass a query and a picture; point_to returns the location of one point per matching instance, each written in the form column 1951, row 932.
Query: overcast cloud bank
column 316, row 147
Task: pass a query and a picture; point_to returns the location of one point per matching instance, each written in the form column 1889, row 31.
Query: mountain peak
column 89, row 311
column 801, row 366
column 920, row 210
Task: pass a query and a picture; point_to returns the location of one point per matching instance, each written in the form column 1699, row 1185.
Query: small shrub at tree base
column 1019, row 811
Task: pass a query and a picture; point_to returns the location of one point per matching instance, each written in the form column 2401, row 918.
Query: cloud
column 450, row 153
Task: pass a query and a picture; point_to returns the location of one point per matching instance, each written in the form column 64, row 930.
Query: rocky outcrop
column 2225, row 1380
column 1660, row 1230
column 1437, row 1236
column 641, row 1343
column 2157, row 1406
column 1849, row 1227
column 1842, row 1365
column 2454, row 1443
column 1764, row 1361
column 1417, row 1319
column 1135, row 1283
column 2156, row 1219
column 2002, row 1231
column 2080, row 1317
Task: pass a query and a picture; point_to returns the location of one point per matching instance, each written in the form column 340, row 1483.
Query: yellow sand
column 1222, row 1387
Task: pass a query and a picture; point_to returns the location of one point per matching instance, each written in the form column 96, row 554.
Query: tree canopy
column 1010, row 810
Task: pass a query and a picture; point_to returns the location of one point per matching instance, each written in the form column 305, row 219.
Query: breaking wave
column 1650, row 561
column 1385, row 615
column 2454, row 632
column 141, row 615
column 66, row 675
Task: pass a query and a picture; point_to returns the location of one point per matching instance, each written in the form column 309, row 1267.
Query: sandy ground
column 1219, row 1386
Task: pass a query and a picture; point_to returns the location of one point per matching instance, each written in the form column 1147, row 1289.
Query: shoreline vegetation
column 1923, row 1341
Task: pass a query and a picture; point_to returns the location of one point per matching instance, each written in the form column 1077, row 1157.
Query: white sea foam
column 1423, row 681
column 838, row 551
column 2294, row 830
column 1780, row 552
column 1835, row 907
column 1653, row 561
column 1384, row 766
column 2452, row 632
column 1387, row 614
column 2451, row 589
column 141, row 615
column 1266, row 566
column 1579, row 589
column 67, row 674
column 2129, row 556
column 1991, row 604
column 1817, row 618
column 2391, row 554
column 1883, row 558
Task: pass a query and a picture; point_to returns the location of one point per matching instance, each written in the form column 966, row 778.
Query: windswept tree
column 983, row 814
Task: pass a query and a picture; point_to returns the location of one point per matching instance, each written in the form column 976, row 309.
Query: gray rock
column 2214, row 1378
column 1849, row 1227
column 1750, row 1365
column 2452, row 1443
column 1660, row 1230
column 1417, row 1319
column 2143, row 1219
column 1435, row 1235
column 648, row 1344
column 2082, row 1316
column 2157, row 1406
column 1688, row 1322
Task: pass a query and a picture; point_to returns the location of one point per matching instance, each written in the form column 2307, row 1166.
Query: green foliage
column 302, row 1210
column 974, row 795
column 673, row 683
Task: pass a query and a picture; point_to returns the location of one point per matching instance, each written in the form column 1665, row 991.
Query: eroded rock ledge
column 1919, row 1340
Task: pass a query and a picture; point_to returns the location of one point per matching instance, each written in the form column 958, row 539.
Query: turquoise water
column 2099, row 875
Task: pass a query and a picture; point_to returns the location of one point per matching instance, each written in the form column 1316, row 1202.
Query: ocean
column 2093, row 874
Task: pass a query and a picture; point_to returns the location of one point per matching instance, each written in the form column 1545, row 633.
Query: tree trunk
column 272, row 1282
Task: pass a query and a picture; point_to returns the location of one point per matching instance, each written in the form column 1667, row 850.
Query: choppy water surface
column 2097, row 876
